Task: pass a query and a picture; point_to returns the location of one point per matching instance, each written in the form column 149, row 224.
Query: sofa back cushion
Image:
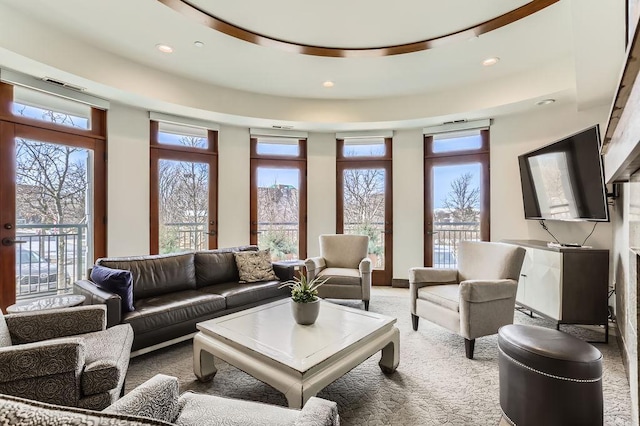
column 218, row 266
column 158, row 274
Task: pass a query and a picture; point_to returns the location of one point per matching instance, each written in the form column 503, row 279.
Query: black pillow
column 117, row 281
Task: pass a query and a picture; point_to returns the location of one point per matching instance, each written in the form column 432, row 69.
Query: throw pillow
column 118, row 281
column 254, row 266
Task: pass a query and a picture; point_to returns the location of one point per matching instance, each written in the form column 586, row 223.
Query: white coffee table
column 297, row 360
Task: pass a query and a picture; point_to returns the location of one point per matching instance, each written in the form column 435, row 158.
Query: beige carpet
column 434, row 384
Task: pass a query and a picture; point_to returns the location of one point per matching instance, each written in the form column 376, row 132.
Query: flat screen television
column 565, row 180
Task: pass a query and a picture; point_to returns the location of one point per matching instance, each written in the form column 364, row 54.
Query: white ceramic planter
column 305, row 313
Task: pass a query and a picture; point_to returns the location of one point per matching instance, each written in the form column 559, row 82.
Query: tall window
column 52, row 189
column 279, row 196
column 184, row 164
column 456, row 193
column 364, row 199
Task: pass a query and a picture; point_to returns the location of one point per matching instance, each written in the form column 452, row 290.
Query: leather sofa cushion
column 446, row 295
column 214, row 267
column 238, row 294
column 156, row 275
column 169, row 309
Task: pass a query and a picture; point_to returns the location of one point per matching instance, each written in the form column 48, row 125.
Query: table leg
column 391, row 354
column 294, row 397
column 203, row 362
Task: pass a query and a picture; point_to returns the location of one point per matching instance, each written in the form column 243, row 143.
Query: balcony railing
column 49, row 258
column 179, row 236
column 446, row 236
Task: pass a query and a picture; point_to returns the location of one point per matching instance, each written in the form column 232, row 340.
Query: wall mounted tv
column 564, row 180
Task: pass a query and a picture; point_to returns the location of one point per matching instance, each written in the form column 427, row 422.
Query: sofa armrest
column 27, row 327
column 365, row 266
column 157, row 398
column 314, row 265
column 41, row 359
column 319, row 412
column 283, row 271
column 97, row 296
column 478, row 291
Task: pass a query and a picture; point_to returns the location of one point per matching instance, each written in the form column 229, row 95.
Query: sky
column 445, row 175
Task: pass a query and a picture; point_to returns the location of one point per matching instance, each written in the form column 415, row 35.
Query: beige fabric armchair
column 343, row 259
column 474, row 300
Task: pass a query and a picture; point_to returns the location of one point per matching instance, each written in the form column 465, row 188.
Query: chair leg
column 366, row 305
column 469, row 346
column 122, row 388
column 414, row 320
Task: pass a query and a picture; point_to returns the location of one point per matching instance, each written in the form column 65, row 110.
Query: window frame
column 11, row 127
column 160, row 151
column 379, row 277
column 279, row 161
column 480, row 155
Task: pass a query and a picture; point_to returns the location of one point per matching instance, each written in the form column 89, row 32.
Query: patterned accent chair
column 157, row 402
column 343, row 260
column 64, row 356
column 474, row 300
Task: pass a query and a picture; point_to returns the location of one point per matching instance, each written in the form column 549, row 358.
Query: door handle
column 212, row 233
column 432, row 232
column 11, row 241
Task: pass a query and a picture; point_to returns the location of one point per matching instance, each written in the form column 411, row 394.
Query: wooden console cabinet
column 566, row 284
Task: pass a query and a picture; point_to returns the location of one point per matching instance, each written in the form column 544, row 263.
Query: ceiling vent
column 63, row 84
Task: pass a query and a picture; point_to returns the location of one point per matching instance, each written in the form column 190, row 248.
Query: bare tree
column 279, row 207
column 463, row 200
column 184, row 201
column 364, row 197
column 51, row 185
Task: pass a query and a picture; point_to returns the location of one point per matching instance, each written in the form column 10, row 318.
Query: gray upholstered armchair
column 64, row 356
column 474, row 300
column 343, row 260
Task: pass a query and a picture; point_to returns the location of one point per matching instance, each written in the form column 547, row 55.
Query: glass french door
column 53, row 209
column 365, row 208
column 456, row 207
column 278, row 200
column 183, row 201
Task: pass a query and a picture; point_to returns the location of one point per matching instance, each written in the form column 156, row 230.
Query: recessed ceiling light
column 328, row 83
column 490, row 61
column 545, row 102
column 198, row 44
column 164, row 48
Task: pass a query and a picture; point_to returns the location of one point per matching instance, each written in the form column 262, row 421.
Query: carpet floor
column 434, row 384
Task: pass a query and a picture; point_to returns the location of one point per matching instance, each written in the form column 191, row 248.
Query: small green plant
column 303, row 291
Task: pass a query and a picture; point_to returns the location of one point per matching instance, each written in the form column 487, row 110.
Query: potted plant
column 305, row 303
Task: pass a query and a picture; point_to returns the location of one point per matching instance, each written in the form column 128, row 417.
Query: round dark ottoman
column 548, row 377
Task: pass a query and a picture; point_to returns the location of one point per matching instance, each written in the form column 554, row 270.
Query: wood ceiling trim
column 204, row 18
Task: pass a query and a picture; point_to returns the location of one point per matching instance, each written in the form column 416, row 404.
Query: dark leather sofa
column 174, row 292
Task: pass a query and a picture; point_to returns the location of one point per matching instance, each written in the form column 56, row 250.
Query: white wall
column 321, row 188
column 408, row 201
column 128, row 181
column 128, row 186
column 233, row 186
